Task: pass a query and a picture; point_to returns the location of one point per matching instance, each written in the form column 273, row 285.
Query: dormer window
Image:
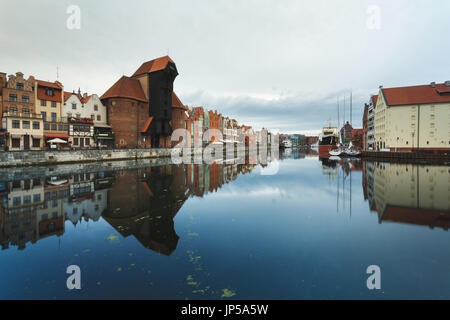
column 19, row 86
column 50, row 92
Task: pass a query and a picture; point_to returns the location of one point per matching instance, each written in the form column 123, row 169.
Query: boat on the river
column 328, row 141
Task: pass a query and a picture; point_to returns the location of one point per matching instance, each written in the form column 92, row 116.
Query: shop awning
column 147, row 124
column 54, row 136
column 102, row 125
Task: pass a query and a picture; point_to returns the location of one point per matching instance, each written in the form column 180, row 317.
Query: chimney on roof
column 433, row 84
column 381, row 87
column 447, row 83
column 85, row 95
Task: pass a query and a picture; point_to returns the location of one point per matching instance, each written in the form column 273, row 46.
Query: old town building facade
column 23, row 124
column 413, row 118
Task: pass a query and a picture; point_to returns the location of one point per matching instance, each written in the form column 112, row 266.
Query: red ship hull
column 324, row 150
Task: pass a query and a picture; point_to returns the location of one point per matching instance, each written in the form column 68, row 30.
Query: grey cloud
column 265, row 62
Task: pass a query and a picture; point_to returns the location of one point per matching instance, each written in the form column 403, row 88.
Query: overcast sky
column 279, row 64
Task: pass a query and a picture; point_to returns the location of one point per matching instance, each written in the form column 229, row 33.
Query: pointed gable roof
column 176, row 102
column 374, row 100
column 67, row 95
column 154, row 65
column 125, row 87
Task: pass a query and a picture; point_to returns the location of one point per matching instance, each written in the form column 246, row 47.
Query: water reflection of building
column 18, row 219
column 409, row 194
column 141, row 203
column 88, row 197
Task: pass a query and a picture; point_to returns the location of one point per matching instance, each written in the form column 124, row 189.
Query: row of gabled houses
column 35, row 112
column 138, row 111
column 413, row 118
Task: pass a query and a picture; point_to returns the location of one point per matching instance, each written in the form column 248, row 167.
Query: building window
column 44, row 115
column 50, row 92
column 93, row 116
column 16, row 124
column 26, row 99
column 15, row 143
column 87, row 141
column 54, row 126
column 37, row 198
column 60, row 127
column 25, row 124
column 99, row 117
column 65, row 128
column 46, row 126
column 95, row 107
column 26, row 110
column 53, row 104
column 36, row 143
column 53, row 116
column 74, row 106
column 13, row 110
column 17, row 201
column 19, row 86
column 75, row 141
column 13, row 97
column 36, row 125
column 43, row 103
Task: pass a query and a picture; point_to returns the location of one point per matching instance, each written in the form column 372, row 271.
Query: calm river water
column 152, row 230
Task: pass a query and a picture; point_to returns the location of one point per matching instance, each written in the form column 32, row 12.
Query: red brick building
column 142, row 109
column 357, row 138
column 178, row 115
column 214, row 118
column 365, row 127
column 127, row 109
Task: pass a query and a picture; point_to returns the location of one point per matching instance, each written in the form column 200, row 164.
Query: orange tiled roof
column 54, row 85
column 84, row 100
column 375, row 99
column 176, row 102
column 416, row 95
column 125, row 87
column 153, row 65
column 147, row 124
column 42, row 91
column 67, row 95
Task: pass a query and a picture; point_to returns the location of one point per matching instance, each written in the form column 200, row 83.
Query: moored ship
column 328, row 140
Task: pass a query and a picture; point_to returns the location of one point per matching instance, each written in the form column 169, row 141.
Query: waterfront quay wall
column 44, row 158
column 407, row 157
column 33, row 158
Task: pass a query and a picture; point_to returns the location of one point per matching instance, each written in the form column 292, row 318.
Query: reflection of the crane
column 410, row 194
column 139, row 202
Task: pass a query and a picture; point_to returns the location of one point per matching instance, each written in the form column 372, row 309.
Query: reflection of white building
column 89, row 208
column 413, row 194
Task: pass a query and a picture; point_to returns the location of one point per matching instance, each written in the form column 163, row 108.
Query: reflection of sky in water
column 286, row 236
